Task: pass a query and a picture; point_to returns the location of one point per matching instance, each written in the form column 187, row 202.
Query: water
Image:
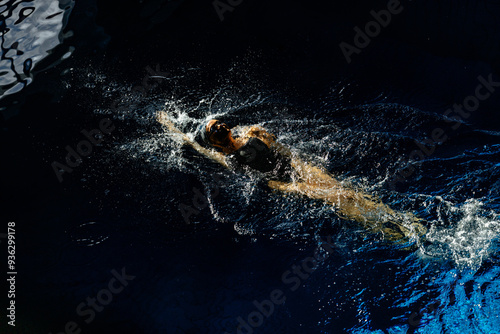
column 121, row 207
column 32, row 32
column 453, row 272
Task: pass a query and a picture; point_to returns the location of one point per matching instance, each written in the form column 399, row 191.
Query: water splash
column 468, row 241
column 31, row 32
column 464, row 234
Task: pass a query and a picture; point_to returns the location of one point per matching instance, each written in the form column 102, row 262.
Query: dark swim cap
column 205, row 135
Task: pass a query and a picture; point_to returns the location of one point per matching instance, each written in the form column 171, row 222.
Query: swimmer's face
column 217, row 131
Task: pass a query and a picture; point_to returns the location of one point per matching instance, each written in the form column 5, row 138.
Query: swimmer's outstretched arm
column 162, row 118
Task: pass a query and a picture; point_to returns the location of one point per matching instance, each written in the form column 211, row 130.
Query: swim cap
column 205, row 135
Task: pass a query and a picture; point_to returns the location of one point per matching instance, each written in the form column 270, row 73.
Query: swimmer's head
column 216, row 133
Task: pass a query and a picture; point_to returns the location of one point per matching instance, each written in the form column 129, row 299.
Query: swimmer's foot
column 418, row 228
column 398, row 231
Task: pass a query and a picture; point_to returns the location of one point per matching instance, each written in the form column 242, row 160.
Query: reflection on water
column 31, row 31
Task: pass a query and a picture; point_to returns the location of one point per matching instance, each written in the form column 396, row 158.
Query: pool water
column 107, row 246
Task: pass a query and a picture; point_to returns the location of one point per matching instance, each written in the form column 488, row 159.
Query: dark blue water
column 104, row 247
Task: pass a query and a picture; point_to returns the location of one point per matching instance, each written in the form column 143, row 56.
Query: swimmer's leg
column 374, row 215
column 302, row 188
column 281, row 186
column 351, row 205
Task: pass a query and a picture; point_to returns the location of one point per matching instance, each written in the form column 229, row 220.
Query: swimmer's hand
column 162, row 118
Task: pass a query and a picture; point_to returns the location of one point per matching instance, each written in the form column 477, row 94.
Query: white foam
column 469, row 241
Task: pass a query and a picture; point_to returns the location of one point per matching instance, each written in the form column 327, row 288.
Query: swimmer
column 256, row 149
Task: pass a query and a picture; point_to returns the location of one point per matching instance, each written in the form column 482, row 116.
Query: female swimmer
column 256, row 149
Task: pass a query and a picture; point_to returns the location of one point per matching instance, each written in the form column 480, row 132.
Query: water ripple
column 30, row 32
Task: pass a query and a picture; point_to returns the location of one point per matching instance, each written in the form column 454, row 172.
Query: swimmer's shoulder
column 258, row 132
